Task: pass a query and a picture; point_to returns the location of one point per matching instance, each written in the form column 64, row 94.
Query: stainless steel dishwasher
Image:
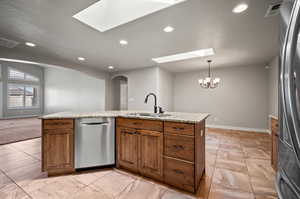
column 94, row 142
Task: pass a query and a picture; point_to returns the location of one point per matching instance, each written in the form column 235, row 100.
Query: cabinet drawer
column 179, row 147
column 58, row 124
column 179, row 128
column 179, row 174
column 140, row 124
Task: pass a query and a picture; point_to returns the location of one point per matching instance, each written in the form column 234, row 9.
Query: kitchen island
column 169, row 147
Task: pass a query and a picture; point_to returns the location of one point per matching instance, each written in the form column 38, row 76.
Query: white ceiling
column 238, row 39
column 105, row 15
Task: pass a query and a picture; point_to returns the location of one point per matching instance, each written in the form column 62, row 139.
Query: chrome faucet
column 157, row 109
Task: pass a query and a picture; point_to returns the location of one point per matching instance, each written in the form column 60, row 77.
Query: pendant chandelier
column 209, row 82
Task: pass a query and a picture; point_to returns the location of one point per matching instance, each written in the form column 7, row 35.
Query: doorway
column 120, row 93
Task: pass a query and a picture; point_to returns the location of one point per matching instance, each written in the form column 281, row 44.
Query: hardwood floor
column 14, row 130
column 237, row 167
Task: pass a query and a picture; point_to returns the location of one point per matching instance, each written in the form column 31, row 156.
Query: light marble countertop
column 174, row 116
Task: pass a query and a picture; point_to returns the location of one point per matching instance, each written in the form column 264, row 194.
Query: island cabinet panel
column 184, row 154
column 179, row 128
column 151, row 125
column 127, row 144
column 181, row 147
column 57, row 146
column 173, row 153
column 274, row 137
column 151, row 153
column 179, row 173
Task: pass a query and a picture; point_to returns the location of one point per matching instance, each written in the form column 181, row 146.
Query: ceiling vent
column 273, row 9
column 8, row 43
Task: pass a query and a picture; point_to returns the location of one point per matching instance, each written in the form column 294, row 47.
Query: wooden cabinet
column 274, row 137
column 184, row 154
column 127, row 144
column 151, row 153
column 167, row 151
column 58, row 146
column 140, row 150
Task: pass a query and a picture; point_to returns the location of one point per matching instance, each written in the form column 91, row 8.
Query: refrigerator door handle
column 287, row 79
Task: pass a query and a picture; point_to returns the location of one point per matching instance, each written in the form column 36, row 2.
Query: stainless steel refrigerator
column 288, row 176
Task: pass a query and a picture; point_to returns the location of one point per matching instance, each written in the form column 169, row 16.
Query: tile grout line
column 214, row 169
column 16, row 184
column 249, row 177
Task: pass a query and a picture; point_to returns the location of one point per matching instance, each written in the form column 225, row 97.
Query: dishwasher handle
column 86, row 124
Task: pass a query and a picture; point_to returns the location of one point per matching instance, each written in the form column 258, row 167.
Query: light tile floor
column 237, row 167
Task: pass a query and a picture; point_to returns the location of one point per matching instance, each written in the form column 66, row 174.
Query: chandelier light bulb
column 209, row 81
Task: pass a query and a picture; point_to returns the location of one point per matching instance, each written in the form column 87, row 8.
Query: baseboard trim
column 18, row 117
column 239, row 128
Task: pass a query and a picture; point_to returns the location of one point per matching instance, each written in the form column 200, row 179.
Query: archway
column 120, row 93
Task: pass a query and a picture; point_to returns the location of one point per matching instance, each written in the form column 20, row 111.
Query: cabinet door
column 151, row 153
column 127, row 148
column 58, row 149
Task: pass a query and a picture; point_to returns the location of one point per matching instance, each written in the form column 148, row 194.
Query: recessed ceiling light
column 240, row 8
column 186, row 55
column 30, row 44
column 169, row 29
column 81, row 58
column 123, row 42
column 110, row 67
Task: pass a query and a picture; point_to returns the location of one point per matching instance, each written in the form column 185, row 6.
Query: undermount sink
column 149, row 114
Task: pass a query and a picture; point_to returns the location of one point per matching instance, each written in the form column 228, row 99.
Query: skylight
column 107, row 14
column 184, row 56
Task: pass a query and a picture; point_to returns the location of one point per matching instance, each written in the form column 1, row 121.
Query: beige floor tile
column 113, row 183
column 142, row 189
column 261, row 169
column 227, row 179
column 231, row 155
column 232, row 165
column 256, row 153
column 59, row 187
column 89, row 193
column 263, row 187
column 229, row 194
column 12, row 191
column 170, row 194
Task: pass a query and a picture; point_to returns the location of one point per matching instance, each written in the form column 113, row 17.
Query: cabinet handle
column 178, row 147
column 178, row 171
column 202, row 132
column 137, row 123
column 178, row 128
column 131, row 133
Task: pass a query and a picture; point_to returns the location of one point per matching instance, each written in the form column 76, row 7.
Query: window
column 22, row 96
column 14, row 74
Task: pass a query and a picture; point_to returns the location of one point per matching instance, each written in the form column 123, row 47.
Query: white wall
column 147, row 80
column 140, row 83
column 165, row 89
column 70, row 90
column 273, row 86
column 240, row 101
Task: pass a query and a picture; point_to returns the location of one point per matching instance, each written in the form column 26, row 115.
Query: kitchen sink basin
column 149, row 114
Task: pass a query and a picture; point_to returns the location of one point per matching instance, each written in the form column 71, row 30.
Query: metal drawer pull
column 178, row 147
column 202, row 133
column 178, row 171
column 178, row 128
column 128, row 132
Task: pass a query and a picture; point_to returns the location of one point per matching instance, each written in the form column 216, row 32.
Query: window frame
column 20, row 79
column 24, row 107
